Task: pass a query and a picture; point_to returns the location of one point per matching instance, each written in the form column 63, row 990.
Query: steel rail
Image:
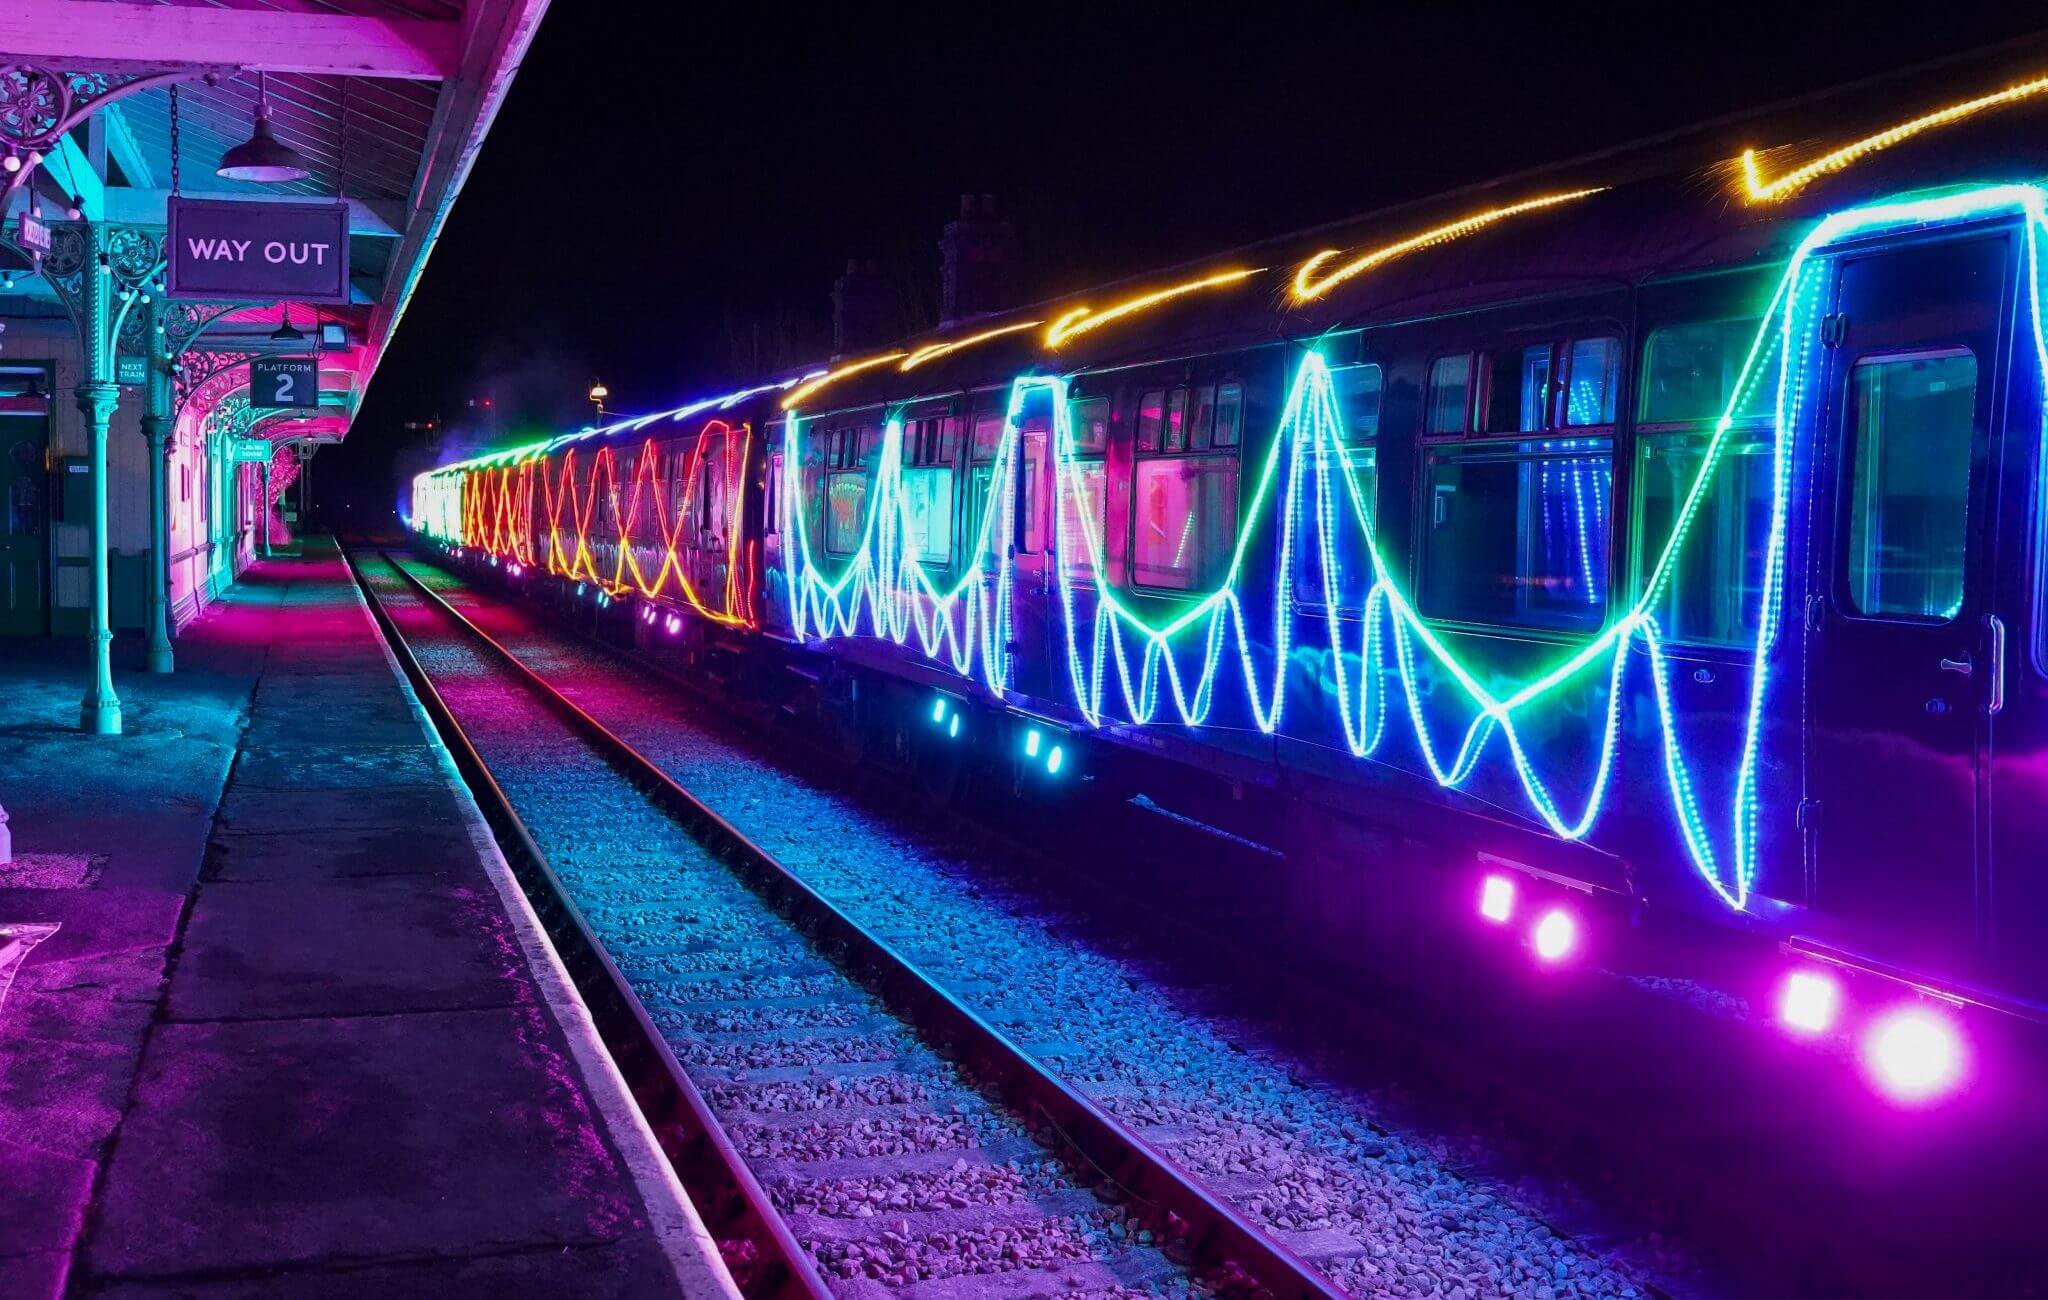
column 1215, row 1234
column 773, row 1265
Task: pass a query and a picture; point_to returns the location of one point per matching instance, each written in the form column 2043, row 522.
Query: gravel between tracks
column 702, row 952
column 1381, row 1212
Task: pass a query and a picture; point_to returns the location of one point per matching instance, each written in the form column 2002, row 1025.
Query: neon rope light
column 1309, row 490
column 933, row 351
column 1081, row 320
column 1309, row 285
column 1760, row 190
column 817, row 382
column 495, row 507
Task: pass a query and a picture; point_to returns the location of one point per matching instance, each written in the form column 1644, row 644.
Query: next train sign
column 241, row 251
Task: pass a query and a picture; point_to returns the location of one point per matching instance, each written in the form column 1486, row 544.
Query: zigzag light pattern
column 1307, row 488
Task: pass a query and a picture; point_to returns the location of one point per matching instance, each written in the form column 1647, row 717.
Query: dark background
column 664, row 204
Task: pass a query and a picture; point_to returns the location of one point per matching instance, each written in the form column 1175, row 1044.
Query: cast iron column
column 266, row 507
column 156, row 427
column 97, row 396
column 101, row 710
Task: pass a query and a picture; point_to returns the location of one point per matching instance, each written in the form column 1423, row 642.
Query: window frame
column 1843, row 472
column 1185, row 384
column 1351, row 446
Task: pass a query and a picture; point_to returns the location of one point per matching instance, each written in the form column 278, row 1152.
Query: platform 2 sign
column 236, row 250
column 279, row 382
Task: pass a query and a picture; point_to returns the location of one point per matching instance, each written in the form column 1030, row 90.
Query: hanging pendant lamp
column 263, row 157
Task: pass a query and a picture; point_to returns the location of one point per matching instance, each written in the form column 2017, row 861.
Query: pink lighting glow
column 1557, row 934
column 1808, row 1002
column 1914, row 1053
column 1497, row 899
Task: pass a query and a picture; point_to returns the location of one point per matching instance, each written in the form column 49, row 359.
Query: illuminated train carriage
column 1673, row 520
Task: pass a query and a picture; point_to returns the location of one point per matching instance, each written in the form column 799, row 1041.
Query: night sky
column 649, row 198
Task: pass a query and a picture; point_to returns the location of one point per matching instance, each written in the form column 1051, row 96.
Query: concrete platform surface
column 295, row 1032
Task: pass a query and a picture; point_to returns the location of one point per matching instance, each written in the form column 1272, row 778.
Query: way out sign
column 241, row 251
column 277, row 382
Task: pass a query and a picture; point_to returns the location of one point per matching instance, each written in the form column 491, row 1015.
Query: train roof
column 1734, row 192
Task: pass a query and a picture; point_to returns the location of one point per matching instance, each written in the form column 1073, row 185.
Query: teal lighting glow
column 1032, row 741
column 1310, row 491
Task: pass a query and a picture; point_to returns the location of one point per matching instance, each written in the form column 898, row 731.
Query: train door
column 1034, row 561
column 1902, row 666
column 24, row 502
column 709, row 564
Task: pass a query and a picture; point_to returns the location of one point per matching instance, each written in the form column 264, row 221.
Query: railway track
column 846, row 1124
column 1377, row 1212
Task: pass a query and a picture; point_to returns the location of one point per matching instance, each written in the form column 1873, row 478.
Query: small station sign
column 279, row 382
column 236, row 250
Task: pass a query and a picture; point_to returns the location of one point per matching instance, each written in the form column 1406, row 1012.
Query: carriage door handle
column 1962, row 665
column 1995, row 625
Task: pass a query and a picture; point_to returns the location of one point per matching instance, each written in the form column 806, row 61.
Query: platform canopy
column 386, row 101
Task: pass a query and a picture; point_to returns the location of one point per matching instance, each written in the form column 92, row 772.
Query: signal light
column 1497, row 899
column 953, row 728
column 1032, row 741
column 1556, row 935
column 1914, row 1054
column 1054, row 759
column 1808, row 1002
column 939, row 709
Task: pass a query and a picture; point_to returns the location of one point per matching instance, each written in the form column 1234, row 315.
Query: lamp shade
column 263, row 157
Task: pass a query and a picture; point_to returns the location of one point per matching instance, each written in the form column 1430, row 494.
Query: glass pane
column 846, row 500
column 1450, row 385
column 928, row 514
column 1350, row 568
column 1910, row 423
column 1517, row 390
column 1229, row 414
column 1519, row 537
column 1032, row 467
column 1176, row 420
column 1713, row 594
column 1151, row 416
column 1092, row 480
column 1689, row 372
column 1202, row 417
column 988, row 433
column 1091, row 424
column 947, row 439
column 1186, row 522
column 1595, row 375
column 1358, row 399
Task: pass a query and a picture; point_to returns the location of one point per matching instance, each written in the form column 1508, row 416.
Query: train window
column 1090, row 416
column 1177, row 420
column 1714, row 581
column 1592, row 376
column 1514, row 388
column 1229, row 414
column 1151, row 418
column 846, row 500
column 1350, row 571
column 1517, row 534
column 771, row 496
column 1083, row 500
column 1186, row 521
column 988, row 432
column 1911, row 421
column 1357, row 389
column 928, row 513
column 1201, row 417
column 1689, row 372
column 1450, row 394
column 930, row 441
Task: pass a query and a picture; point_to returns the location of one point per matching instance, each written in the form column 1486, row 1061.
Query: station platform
column 280, row 1022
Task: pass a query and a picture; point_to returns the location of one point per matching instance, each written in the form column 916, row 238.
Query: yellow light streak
column 933, row 351
column 1083, row 319
column 1308, row 286
column 1762, row 191
column 802, row 391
